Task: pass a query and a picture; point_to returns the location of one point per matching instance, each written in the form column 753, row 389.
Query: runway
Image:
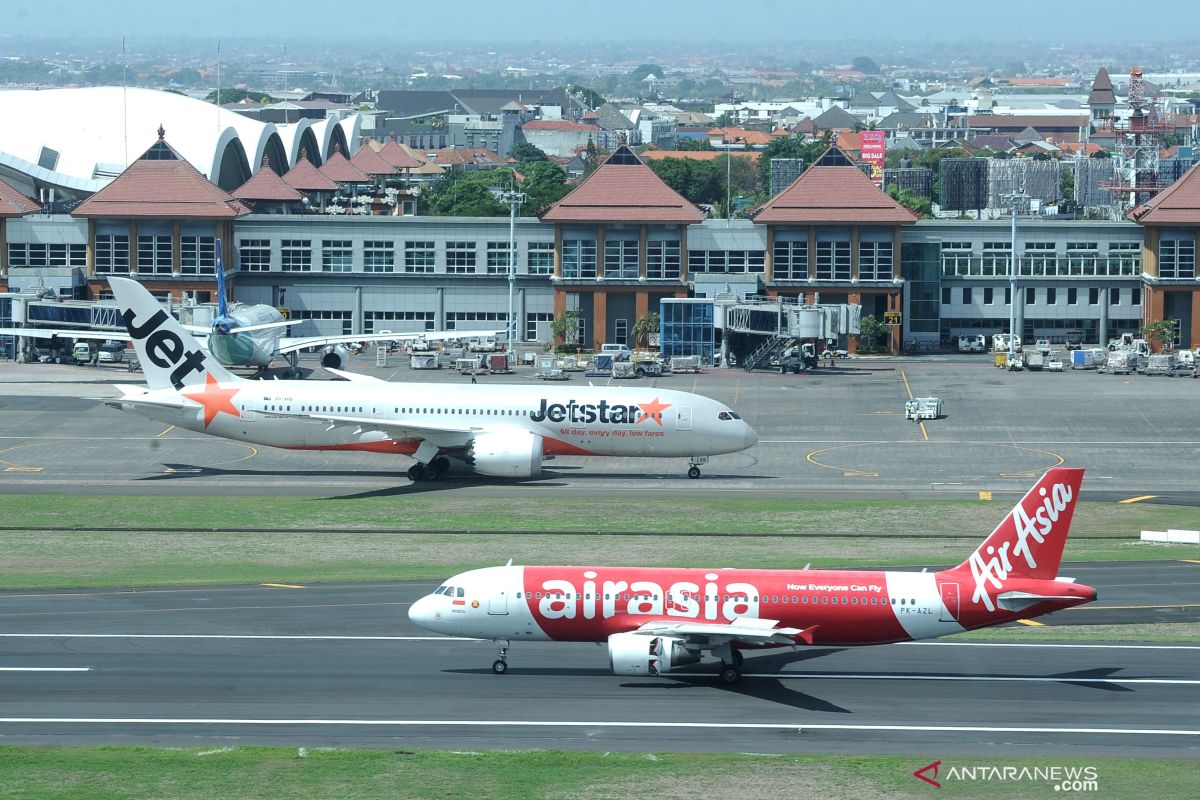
column 341, row 665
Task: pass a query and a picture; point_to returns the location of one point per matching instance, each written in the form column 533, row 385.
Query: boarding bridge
column 784, row 323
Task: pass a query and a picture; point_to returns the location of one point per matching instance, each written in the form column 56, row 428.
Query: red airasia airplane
column 658, row 619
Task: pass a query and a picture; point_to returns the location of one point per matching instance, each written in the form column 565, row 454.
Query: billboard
column 873, row 147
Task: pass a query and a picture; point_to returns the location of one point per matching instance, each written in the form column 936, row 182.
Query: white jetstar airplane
column 658, row 619
column 500, row 430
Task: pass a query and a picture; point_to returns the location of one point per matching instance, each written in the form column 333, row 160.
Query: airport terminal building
column 620, row 243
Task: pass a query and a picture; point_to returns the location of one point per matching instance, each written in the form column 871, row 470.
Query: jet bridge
column 783, row 323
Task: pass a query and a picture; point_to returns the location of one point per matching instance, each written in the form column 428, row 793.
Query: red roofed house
column 267, row 192
column 834, row 237
column 158, row 221
column 619, row 244
column 12, row 204
column 1171, row 220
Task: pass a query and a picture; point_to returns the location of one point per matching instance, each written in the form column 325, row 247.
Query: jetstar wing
column 289, row 344
column 442, row 436
column 743, row 629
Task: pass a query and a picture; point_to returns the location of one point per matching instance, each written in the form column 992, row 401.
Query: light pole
column 1017, row 195
column 513, row 199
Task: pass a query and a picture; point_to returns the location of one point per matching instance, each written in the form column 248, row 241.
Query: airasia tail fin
column 169, row 355
column 1029, row 542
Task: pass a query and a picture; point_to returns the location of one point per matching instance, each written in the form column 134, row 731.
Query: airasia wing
column 503, row 430
column 655, row 620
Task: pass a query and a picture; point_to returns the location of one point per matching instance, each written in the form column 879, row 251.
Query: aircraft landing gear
column 429, row 472
column 693, row 472
column 731, row 664
column 500, row 665
column 695, row 462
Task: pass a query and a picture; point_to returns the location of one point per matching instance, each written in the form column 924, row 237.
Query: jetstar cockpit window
column 451, row 591
column 728, row 415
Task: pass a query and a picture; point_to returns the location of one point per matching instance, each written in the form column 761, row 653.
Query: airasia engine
column 508, row 454
column 640, row 654
column 334, row 356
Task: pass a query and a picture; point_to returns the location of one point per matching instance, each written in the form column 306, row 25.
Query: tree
column 466, row 194
column 565, row 328
column 238, row 95
column 526, row 152
column 1066, row 182
column 872, row 334
column 545, row 184
column 1160, row 334
column 911, row 200
column 589, row 97
column 866, row 66
column 648, row 324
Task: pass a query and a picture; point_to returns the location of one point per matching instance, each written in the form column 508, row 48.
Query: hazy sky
column 521, row 20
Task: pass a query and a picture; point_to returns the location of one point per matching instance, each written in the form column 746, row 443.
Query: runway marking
column 1057, row 645
column 1190, row 561
column 213, row 608
column 165, row 432
column 908, row 389
column 282, row 585
column 45, row 669
column 282, row 637
column 1121, row 608
column 23, row 469
column 1032, row 623
column 1129, row 500
column 347, row 638
column 969, row 678
column 509, row 723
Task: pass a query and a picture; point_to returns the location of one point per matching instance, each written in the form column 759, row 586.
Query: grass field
column 104, row 773
column 55, row 541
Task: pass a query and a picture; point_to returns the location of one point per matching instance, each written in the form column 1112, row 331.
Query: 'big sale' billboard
column 873, row 152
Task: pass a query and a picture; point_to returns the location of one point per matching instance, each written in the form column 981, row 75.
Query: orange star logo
column 653, row 410
column 214, row 399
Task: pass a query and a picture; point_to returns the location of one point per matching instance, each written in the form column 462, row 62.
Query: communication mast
column 1136, row 144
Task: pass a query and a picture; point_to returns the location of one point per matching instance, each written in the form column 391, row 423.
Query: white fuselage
column 578, row 420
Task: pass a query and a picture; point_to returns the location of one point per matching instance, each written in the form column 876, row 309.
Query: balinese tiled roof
column 266, row 185
column 394, row 153
column 161, row 184
column 1179, row 204
column 338, row 168
column 623, row 189
column 307, row 178
column 1102, row 90
column 15, row 204
column 834, row 195
column 462, row 156
column 747, row 137
column 369, row 163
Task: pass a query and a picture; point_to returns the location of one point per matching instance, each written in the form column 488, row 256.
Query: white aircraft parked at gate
column 500, row 430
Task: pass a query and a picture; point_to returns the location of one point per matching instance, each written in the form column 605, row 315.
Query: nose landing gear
column 500, row 665
column 696, row 462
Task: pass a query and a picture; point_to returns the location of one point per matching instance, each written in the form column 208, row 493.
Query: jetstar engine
column 639, row 654
column 507, row 454
column 334, row 356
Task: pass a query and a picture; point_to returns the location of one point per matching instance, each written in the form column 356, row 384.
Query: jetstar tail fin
column 169, row 355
